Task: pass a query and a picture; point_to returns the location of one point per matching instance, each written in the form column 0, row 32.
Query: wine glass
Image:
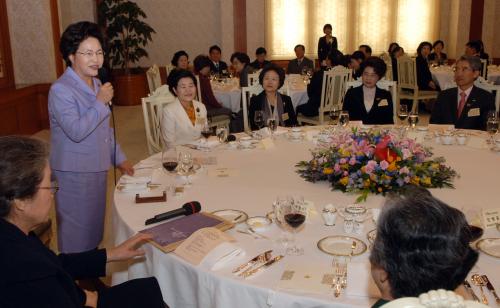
column 492, row 125
column 334, row 114
column 169, row 159
column 272, row 124
column 206, row 132
column 344, row 118
column 222, row 134
column 402, row 113
column 413, row 119
column 258, row 118
column 186, row 166
column 294, row 216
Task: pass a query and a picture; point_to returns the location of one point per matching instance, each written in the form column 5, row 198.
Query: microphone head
column 231, row 138
column 192, row 207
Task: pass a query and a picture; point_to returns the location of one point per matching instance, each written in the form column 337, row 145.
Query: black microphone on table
column 187, row 209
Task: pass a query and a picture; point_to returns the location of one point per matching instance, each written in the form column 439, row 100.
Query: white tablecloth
column 261, row 176
column 443, row 76
column 228, row 93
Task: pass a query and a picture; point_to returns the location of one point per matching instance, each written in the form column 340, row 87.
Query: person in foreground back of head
column 31, row 274
column 422, row 244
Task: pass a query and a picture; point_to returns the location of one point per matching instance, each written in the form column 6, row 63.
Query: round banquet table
column 258, row 177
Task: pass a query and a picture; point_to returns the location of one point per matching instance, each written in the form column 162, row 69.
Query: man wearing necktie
column 465, row 106
column 216, row 65
column 296, row 66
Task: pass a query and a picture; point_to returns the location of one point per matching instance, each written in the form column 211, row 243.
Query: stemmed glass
column 344, row 118
column 272, row 124
column 295, row 216
column 402, row 113
column 492, row 125
column 206, row 132
column 186, row 166
column 413, row 119
column 258, row 118
column 222, row 134
column 169, row 158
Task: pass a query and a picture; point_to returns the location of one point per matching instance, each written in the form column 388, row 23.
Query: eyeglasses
column 54, row 187
column 90, row 53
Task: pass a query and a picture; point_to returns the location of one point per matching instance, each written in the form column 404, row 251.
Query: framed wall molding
column 6, row 68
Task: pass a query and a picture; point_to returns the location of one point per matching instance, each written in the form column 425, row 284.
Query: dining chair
column 434, row 298
column 152, row 110
column 332, row 94
column 484, row 68
column 408, row 87
column 154, row 79
column 493, row 89
column 253, row 79
column 217, row 121
column 246, row 94
column 389, row 85
column 169, row 67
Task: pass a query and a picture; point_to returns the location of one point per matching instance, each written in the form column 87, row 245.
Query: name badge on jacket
column 383, row 103
column 285, row 116
column 474, row 112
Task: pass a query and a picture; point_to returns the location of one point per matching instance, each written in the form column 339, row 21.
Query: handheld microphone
column 187, row 209
column 103, row 75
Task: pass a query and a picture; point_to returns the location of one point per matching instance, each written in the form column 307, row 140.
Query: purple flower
column 352, row 161
column 342, row 161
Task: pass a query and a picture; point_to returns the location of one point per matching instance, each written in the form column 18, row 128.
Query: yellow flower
column 344, row 181
column 435, row 166
column 373, row 177
column 379, row 189
column 426, row 180
column 398, row 159
column 363, row 169
column 366, row 183
column 392, row 166
column 415, row 180
column 328, row 171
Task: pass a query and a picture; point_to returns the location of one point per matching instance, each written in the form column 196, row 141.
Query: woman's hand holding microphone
column 105, row 93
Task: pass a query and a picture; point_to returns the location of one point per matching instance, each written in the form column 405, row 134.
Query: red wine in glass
column 170, row 165
column 295, row 219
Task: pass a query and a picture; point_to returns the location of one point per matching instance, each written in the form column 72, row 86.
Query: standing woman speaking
column 82, row 142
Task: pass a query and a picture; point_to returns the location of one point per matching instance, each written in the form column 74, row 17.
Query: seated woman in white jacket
column 183, row 119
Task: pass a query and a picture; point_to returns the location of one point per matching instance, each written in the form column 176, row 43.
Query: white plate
column 422, row 128
column 490, row 246
column 339, row 245
column 364, row 216
column 234, row 216
column 258, row 223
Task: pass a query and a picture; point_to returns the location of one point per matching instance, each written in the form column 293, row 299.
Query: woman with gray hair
column 422, row 244
column 34, row 276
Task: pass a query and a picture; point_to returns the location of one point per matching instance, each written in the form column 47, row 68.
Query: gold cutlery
column 491, row 288
column 251, row 230
column 249, row 234
column 263, row 257
column 236, row 218
column 353, row 247
column 469, row 288
column 250, row 272
column 478, row 281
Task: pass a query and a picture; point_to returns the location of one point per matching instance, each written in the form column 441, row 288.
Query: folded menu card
column 307, row 278
column 209, row 247
column 168, row 235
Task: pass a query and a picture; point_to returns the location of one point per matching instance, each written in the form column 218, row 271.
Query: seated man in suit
column 466, row 106
column 473, row 48
column 216, row 66
column 368, row 102
column 260, row 59
column 296, row 66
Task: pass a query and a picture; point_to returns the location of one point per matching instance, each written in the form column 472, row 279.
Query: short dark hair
column 422, row 45
column 336, row 57
column 368, row 48
column 438, row 42
column 358, row 55
column 214, row 47
column 376, row 63
column 275, row 68
column 326, row 26
column 474, row 62
column 22, row 163
column 422, row 243
column 177, row 56
column 399, row 48
column 200, row 62
column 75, row 34
column 299, row 46
column 476, row 45
column 260, row 50
column 392, row 46
column 241, row 56
column 175, row 76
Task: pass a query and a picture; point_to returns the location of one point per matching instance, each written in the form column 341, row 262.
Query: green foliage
column 127, row 33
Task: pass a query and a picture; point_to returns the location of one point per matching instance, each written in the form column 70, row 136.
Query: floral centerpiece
column 374, row 161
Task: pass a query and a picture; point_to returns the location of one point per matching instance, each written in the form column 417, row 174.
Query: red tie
column 461, row 104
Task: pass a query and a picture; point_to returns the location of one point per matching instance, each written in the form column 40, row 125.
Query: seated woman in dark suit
column 395, row 54
column 31, row 274
column 424, row 77
column 270, row 101
column 438, row 56
column 356, row 59
column 180, row 60
column 314, row 90
column 369, row 103
column 241, row 64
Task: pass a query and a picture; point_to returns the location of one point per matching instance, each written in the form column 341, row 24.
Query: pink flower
column 384, row 164
column 370, row 166
column 407, row 179
column 336, row 168
column 345, row 173
column 406, row 153
column 342, row 161
column 404, row 170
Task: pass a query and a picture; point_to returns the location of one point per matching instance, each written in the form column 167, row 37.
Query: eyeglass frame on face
column 463, row 69
column 91, row 53
column 54, row 187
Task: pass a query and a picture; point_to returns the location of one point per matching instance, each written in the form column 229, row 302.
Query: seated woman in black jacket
column 270, row 101
column 424, row 77
column 31, row 274
column 369, row 103
column 438, row 56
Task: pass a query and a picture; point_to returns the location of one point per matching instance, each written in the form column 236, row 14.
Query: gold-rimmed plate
column 234, row 216
column 489, row 246
column 340, row 245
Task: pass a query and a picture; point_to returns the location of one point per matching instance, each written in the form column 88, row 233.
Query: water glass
column 272, row 124
column 492, row 125
column 258, row 118
column 344, row 118
column 413, row 119
column 348, row 224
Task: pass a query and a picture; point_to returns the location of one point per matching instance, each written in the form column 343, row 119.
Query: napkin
column 360, row 281
column 212, row 142
column 222, row 255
